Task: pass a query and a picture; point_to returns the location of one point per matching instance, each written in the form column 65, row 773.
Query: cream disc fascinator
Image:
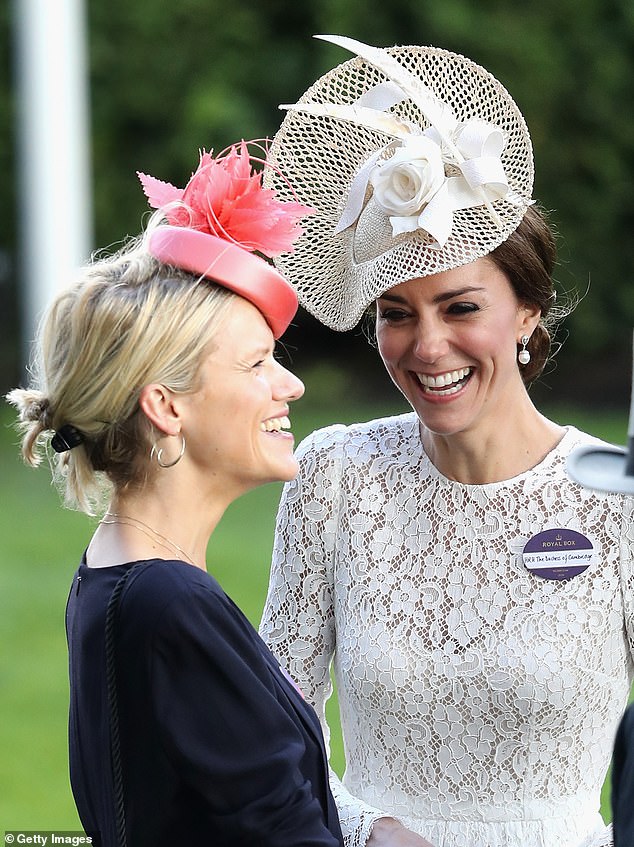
column 606, row 467
column 416, row 160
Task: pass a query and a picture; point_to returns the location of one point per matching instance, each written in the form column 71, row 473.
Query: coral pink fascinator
column 219, row 223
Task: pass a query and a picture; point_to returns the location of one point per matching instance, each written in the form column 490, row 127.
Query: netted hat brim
column 338, row 275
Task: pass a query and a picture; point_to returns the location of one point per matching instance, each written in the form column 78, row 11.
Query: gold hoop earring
column 158, row 452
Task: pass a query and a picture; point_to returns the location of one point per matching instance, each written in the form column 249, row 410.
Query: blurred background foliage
column 169, row 78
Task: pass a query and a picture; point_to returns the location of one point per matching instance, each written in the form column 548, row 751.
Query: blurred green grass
column 41, row 545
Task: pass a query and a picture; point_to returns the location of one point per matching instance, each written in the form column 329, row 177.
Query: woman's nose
column 289, row 387
column 430, row 342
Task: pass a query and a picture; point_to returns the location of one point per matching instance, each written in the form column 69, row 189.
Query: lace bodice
column 478, row 700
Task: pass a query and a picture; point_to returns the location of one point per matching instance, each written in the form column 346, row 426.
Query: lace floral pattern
column 478, row 701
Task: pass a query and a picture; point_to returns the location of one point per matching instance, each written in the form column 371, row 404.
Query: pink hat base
column 231, row 266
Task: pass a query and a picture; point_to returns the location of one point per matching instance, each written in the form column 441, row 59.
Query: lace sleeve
column 608, row 838
column 627, row 569
column 298, row 622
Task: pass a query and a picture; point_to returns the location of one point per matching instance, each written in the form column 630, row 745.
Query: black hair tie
column 65, row 438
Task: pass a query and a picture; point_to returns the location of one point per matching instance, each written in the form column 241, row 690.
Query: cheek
column 499, row 350
column 390, row 347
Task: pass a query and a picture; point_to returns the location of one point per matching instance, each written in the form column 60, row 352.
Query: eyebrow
column 440, row 298
column 262, row 350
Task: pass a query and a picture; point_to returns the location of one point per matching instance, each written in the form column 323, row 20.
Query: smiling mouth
column 444, row 384
column 275, row 424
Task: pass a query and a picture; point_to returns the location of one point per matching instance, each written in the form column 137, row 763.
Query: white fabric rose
column 405, row 183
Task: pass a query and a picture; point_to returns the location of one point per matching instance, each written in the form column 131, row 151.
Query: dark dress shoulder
column 218, row 746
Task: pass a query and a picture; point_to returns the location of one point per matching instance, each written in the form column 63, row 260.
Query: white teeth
column 443, row 380
column 275, row 424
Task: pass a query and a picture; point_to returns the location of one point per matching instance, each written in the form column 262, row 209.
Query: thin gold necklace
column 135, row 523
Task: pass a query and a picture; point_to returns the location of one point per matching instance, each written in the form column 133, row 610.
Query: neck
column 143, row 526
column 156, row 538
column 507, row 450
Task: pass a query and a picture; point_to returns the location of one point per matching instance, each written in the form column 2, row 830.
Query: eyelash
column 274, row 356
column 397, row 315
column 392, row 315
column 463, row 308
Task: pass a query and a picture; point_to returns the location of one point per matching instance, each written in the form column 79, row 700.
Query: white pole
column 53, row 150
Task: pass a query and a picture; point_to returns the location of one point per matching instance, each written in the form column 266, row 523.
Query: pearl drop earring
column 524, row 357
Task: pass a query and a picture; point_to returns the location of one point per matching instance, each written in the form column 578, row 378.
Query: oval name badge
column 558, row 554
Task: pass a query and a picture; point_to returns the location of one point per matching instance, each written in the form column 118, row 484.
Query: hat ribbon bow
column 430, row 174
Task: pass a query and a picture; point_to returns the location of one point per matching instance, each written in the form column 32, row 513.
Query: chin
column 278, row 473
column 289, row 473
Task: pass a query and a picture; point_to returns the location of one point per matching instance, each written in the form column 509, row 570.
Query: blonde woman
column 159, row 390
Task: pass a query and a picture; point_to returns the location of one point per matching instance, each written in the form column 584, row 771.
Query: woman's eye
column 392, row 315
column 462, row 308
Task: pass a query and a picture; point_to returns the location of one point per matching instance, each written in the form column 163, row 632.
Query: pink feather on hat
column 225, row 198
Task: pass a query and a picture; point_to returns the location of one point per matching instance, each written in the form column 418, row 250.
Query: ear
column 157, row 404
column 529, row 316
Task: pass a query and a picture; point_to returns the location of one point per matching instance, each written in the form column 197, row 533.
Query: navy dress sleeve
column 623, row 782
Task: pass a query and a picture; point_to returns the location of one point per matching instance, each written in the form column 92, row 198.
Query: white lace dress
column 478, row 700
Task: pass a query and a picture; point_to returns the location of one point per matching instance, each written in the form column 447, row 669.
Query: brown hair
column 527, row 257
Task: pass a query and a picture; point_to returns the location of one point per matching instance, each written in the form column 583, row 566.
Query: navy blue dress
column 218, row 746
column 623, row 782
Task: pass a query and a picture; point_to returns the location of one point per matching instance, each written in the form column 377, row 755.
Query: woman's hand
column 388, row 832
